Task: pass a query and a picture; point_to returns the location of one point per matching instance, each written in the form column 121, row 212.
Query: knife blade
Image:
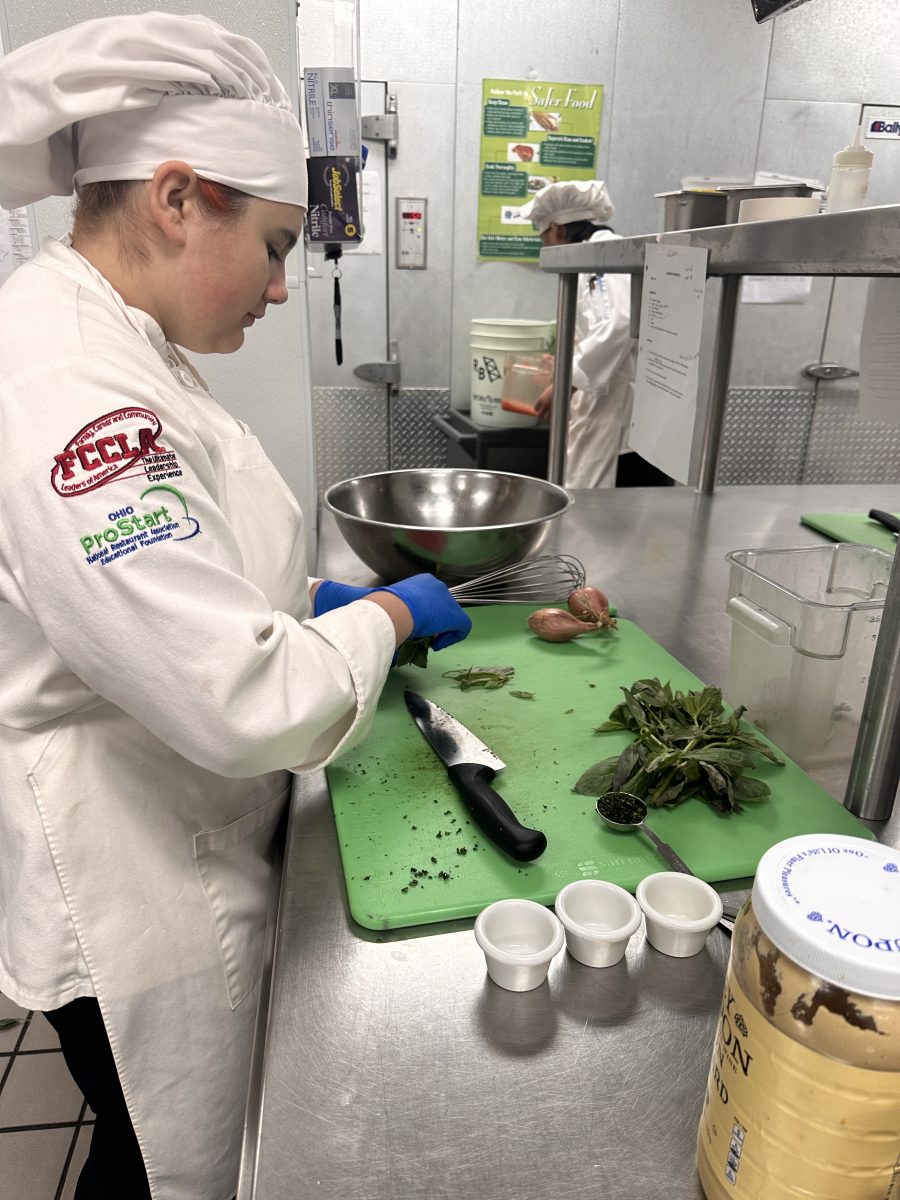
column 471, row 766
column 888, row 520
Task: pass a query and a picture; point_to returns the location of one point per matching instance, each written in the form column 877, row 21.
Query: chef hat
column 574, row 200
column 113, row 98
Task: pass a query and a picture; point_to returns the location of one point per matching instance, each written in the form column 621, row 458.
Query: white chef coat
column 159, row 679
column 602, row 376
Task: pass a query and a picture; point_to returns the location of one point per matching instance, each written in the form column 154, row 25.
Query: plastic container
column 599, row 918
column 679, row 912
column 850, row 174
column 778, row 208
column 803, row 1098
column 519, row 938
column 804, row 623
column 525, row 377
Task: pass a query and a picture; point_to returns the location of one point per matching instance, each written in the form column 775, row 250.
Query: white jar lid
column 832, row 904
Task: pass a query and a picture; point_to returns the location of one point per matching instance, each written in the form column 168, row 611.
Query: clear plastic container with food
column 803, row 1097
column 525, row 376
column 804, row 623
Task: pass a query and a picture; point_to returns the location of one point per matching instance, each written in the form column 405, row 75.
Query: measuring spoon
column 613, row 809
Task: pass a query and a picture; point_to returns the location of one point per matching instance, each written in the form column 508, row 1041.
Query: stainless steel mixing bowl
column 458, row 524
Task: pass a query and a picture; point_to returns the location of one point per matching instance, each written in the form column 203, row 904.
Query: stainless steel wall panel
column 689, row 87
column 837, row 50
column 415, row 440
column 351, row 433
column 844, row 448
column 773, row 342
column 800, row 137
column 408, row 43
column 421, row 301
column 574, row 43
column 765, row 436
column 845, row 322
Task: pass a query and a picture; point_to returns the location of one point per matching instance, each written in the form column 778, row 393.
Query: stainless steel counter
column 390, row 1068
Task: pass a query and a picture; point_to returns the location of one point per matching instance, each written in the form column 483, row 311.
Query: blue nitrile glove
column 331, row 595
column 434, row 612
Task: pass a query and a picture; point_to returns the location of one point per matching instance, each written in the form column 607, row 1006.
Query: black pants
column 634, row 471
column 114, row 1169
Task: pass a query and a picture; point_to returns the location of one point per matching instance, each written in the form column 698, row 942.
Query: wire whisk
column 548, row 578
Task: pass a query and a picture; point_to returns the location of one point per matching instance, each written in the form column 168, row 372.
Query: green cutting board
column 852, row 527
column 409, row 851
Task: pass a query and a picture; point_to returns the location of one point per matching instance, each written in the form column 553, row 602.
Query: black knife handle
column 494, row 816
column 888, row 520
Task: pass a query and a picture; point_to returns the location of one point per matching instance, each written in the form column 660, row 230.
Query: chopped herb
column 621, row 808
column 481, row 677
column 523, row 695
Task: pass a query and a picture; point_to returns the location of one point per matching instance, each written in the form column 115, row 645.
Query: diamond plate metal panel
column 766, row 435
column 351, row 433
column 415, row 440
column 845, row 448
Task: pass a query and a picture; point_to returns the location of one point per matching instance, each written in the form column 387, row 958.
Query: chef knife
column 471, row 766
column 888, row 520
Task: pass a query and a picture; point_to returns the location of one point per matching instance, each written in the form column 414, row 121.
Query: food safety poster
column 532, row 134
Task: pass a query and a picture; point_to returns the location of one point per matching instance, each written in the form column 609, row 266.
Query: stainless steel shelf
column 865, row 241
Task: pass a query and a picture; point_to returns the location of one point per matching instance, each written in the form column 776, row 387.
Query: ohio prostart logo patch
column 117, row 445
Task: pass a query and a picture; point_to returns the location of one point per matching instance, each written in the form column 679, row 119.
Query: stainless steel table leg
column 718, row 388
column 875, row 770
column 562, row 377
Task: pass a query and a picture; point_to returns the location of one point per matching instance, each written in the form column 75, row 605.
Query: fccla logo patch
column 106, row 449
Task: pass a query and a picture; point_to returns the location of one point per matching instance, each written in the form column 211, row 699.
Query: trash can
column 804, row 623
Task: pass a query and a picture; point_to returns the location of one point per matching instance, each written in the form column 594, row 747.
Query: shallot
column 557, row 625
column 591, row 605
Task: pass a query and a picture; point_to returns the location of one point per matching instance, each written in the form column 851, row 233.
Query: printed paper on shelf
column 665, row 387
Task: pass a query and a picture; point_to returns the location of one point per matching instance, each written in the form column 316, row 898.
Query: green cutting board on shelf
column 852, row 527
column 409, row 851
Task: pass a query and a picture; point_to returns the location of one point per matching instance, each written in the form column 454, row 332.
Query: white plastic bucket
column 508, row 345
column 488, row 366
column 513, row 327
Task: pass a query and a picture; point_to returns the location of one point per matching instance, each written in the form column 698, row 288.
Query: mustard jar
column 803, row 1096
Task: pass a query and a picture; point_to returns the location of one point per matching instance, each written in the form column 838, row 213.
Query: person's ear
column 172, row 199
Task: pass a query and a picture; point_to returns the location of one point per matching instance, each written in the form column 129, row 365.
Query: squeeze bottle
column 850, row 173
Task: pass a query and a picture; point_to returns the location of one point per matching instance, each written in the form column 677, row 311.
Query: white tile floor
column 45, row 1125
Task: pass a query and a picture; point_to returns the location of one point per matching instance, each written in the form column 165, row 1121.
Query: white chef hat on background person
column 574, row 200
column 114, row 97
